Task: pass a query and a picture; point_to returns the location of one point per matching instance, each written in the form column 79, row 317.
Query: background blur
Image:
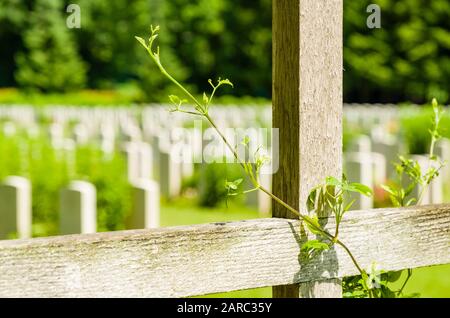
column 407, row 60
column 45, row 66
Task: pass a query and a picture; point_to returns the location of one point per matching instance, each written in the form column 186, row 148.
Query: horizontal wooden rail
column 218, row 257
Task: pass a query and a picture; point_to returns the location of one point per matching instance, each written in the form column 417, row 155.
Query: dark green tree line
column 406, row 60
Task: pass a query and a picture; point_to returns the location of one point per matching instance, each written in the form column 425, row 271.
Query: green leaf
column 238, row 181
column 152, row 38
column 393, row 276
column 311, row 202
column 154, row 29
column 395, row 201
column 386, row 292
column 389, row 189
column 435, row 105
column 332, row 181
column 410, row 188
column 142, row 41
column 175, row 99
column 225, row 82
column 360, row 188
column 411, row 201
column 313, row 225
column 205, row 98
column 315, row 245
column 245, row 141
column 348, row 206
column 233, row 185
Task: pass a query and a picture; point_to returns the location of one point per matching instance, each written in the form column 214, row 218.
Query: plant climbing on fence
column 329, row 198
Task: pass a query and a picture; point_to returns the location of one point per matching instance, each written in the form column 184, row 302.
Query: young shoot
column 330, row 198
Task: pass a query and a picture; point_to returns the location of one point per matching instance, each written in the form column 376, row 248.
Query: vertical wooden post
column 307, row 109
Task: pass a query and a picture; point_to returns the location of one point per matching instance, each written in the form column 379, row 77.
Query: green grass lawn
column 428, row 282
column 185, row 212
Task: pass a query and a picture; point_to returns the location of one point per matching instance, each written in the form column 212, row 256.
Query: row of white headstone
column 370, row 162
column 143, row 135
column 77, row 209
column 148, row 120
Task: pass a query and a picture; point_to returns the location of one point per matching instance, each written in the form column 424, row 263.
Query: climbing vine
column 332, row 197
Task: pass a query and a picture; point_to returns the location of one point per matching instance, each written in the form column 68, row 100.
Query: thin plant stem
column 202, row 110
column 406, row 281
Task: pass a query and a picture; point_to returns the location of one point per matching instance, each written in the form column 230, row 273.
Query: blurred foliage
column 50, row 169
column 211, row 180
column 85, row 97
column 113, row 190
column 406, row 60
column 50, row 61
column 415, row 125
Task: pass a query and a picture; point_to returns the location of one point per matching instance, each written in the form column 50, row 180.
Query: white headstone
column 390, row 148
column 379, row 168
column 78, row 208
column 139, row 160
column 15, row 207
column 169, row 174
column 265, row 201
column 56, row 133
column 358, row 168
column 437, row 190
column 81, row 134
column 146, row 205
column 145, row 160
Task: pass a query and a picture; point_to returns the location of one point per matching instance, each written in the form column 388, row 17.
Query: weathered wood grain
column 200, row 259
column 307, row 103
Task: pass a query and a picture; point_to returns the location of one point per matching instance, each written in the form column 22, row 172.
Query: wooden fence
column 219, row 257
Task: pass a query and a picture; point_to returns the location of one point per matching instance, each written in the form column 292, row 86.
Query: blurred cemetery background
column 85, row 127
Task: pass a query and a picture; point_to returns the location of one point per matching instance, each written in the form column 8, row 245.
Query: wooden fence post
column 307, row 109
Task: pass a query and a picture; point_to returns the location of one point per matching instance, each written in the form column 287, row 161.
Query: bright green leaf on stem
column 360, row 188
column 205, row 98
column 314, row 245
column 142, row 41
column 225, row 82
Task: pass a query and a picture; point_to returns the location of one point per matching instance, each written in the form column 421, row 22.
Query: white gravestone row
column 390, row 147
column 77, row 207
column 371, row 168
column 139, row 132
column 139, row 160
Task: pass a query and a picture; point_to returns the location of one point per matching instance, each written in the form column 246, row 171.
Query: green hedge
column 408, row 59
column 49, row 170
